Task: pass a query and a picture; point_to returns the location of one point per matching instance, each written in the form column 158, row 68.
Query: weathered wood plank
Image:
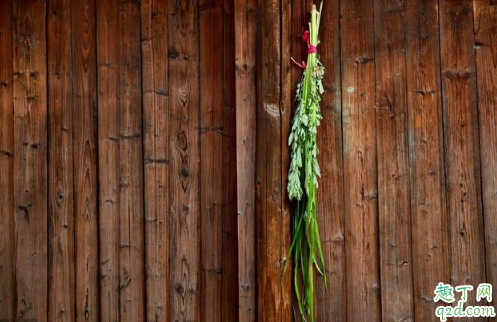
column 131, row 217
column 359, row 154
column 245, row 83
column 108, row 156
column 30, row 159
column 60, row 166
column 330, row 207
column 183, row 139
column 430, row 253
column 393, row 163
column 84, row 99
column 462, row 161
column 485, row 21
column 286, row 104
column 230, row 244
column 211, row 142
column 271, row 234
column 156, row 156
column 7, row 211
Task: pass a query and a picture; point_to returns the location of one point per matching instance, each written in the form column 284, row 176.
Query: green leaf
column 306, row 248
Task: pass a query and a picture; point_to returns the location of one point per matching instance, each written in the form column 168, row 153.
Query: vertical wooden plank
column 131, row 233
column 185, row 154
column 359, row 149
column 331, row 303
column 60, row 165
column 211, row 143
column 7, row 282
column 430, row 253
column 271, row 234
column 30, row 159
column 393, row 161
column 463, row 186
column 108, row 156
column 229, row 291
column 485, row 20
column 84, row 100
column 121, row 146
column 286, row 102
column 245, row 62
column 156, row 156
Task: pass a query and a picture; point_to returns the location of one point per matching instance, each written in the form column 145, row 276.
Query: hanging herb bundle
column 306, row 249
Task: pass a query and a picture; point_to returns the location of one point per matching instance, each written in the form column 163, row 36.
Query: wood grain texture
column 30, row 159
column 330, row 207
column 229, row 292
column 272, row 234
column 430, row 252
column 144, row 158
column 360, row 166
column 485, row 24
column 211, row 167
column 121, row 145
column 84, row 100
column 7, row 211
column 108, row 157
column 61, row 277
column 462, row 160
column 154, row 25
column 245, row 82
column 286, row 102
column 131, row 223
column 184, row 142
column 393, row 163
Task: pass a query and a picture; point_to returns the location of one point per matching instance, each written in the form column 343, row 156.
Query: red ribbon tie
column 310, row 49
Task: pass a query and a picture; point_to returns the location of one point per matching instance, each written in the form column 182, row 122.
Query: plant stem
column 306, row 247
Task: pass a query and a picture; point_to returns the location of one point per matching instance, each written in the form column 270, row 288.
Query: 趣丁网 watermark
column 445, row 293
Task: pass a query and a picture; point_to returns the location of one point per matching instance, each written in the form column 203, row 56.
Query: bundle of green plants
column 306, row 250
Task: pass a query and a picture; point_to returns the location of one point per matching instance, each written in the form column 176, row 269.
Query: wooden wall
column 143, row 157
column 116, row 115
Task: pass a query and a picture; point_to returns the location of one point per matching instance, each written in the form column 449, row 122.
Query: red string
column 310, row 49
column 302, row 65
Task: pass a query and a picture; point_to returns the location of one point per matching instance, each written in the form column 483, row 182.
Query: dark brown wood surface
column 84, row 109
column 393, row 161
column 485, row 17
column 156, row 149
column 84, row 96
column 183, row 36
column 211, row 129
column 229, row 293
column 60, row 165
column 430, row 253
column 245, row 82
column 269, row 188
column 131, row 223
column 30, row 127
column 286, row 104
column 7, row 211
column 462, row 153
column 330, row 193
column 144, row 157
column 108, row 155
column 360, row 162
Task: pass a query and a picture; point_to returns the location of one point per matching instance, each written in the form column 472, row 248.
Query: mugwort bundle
column 306, row 249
